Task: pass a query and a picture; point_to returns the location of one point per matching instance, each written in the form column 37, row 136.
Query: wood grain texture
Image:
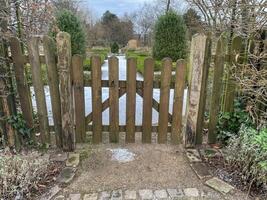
column 21, row 82
column 197, row 63
column 113, row 99
column 130, row 100
column 216, row 90
column 96, row 99
column 164, row 99
column 79, row 105
column 147, row 100
column 53, row 82
column 66, row 90
column 33, row 48
column 177, row 116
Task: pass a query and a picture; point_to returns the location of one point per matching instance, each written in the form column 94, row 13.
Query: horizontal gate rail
column 123, row 83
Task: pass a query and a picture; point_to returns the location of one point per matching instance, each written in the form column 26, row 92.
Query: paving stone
column 161, row 194
column 75, row 196
column 219, row 185
column 200, row 169
column 59, row 157
column 51, row 193
column 193, row 155
column 130, row 194
column 104, row 195
column 66, row 175
column 73, row 160
column 191, row 192
column 174, row 193
column 92, row 196
column 116, row 195
column 146, row 194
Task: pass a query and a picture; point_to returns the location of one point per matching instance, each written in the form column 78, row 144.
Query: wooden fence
column 66, row 85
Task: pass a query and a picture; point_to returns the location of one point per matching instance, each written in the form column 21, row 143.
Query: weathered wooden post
column 65, row 88
column 33, row 47
column 52, row 74
column 216, row 90
column 199, row 62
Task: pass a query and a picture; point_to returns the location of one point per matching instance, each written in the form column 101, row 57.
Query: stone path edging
column 143, row 194
column 202, row 171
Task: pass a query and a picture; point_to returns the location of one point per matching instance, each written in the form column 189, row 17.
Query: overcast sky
column 118, row 7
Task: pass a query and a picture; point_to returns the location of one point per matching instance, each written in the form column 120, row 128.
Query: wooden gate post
column 66, row 94
column 199, row 62
column 216, row 89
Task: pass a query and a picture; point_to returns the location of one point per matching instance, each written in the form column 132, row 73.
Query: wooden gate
column 66, row 84
column 117, row 88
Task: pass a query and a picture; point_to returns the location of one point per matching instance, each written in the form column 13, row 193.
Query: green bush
column 66, row 21
column 114, row 47
column 170, row 37
column 229, row 123
column 247, row 152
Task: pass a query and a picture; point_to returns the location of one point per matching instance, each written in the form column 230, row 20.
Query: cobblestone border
column 143, row 194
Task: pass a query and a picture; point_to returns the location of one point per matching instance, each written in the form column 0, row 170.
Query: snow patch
column 122, row 155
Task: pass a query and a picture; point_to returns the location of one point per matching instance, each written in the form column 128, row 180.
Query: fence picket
column 177, row 114
column 130, row 100
column 96, row 99
column 147, row 100
column 21, row 82
column 78, row 90
column 33, row 48
column 66, row 93
column 216, row 90
column 113, row 99
column 164, row 99
column 52, row 74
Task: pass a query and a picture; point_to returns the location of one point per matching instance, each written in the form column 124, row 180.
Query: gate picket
column 147, row 100
column 178, row 102
column 130, row 100
column 96, row 99
column 113, row 99
column 164, row 99
column 78, row 90
column 33, row 48
column 52, row 74
column 21, row 82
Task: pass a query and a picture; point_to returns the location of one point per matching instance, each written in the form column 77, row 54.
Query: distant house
column 133, row 44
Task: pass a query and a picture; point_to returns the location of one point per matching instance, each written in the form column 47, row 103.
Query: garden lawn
column 141, row 56
column 103, row 52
